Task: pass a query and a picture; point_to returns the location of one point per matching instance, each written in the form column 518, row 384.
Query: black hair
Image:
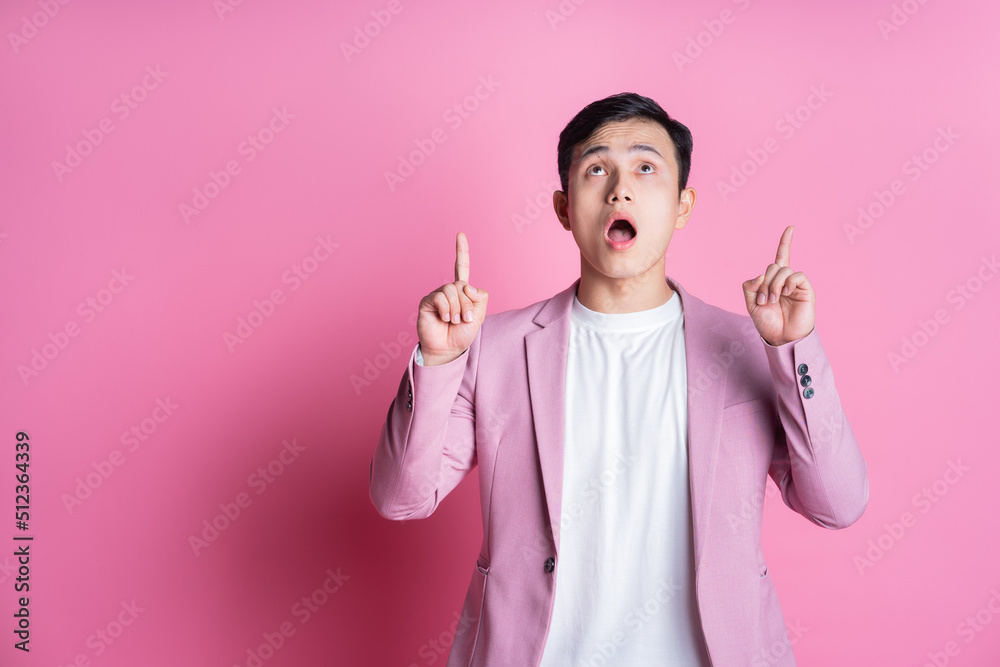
column 621, row 107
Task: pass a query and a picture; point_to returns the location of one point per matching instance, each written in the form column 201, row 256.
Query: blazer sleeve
column 428, row 441
column 817, row 464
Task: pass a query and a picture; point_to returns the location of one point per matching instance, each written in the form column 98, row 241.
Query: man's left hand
column 781, row 302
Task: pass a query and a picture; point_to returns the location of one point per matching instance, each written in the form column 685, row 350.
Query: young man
column 623, row 429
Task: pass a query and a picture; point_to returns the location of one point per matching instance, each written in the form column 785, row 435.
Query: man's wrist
column 789, row 341
column 436, row 360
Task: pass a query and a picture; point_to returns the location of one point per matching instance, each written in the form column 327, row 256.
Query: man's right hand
column 450, row 316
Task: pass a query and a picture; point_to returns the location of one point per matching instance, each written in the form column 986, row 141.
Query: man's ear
column 685, row 204
column 561, row 205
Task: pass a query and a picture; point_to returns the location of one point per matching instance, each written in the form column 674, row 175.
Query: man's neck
column 623, row 295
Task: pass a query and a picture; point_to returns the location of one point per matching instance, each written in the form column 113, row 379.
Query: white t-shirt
column 625, row 590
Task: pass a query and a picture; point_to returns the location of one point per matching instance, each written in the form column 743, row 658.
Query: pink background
column 161, row 336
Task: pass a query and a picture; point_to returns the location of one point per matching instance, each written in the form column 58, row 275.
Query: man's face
column 624, row 169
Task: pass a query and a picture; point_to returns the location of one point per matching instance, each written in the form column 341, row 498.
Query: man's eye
column 650, row 168
column 593, row 167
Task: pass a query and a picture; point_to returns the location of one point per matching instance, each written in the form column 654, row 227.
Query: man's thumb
column 750, row 290
column 476, row 295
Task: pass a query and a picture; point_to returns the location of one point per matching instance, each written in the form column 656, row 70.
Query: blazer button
column 550, row 565
column 808, row 393
column 409, row 406
column 805, row 380
column 803, row 369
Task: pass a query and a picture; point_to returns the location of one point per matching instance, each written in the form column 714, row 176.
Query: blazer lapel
column 547, row 351
column 705, row 398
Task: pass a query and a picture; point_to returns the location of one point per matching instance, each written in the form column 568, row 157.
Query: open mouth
column 621, row 231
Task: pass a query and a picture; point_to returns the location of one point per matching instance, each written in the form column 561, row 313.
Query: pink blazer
column 500, row 407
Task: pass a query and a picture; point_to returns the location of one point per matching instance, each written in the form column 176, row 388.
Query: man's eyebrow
column 634, row 148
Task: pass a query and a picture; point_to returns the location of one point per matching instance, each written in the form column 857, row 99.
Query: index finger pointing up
column 461, row 257
column 783, row 256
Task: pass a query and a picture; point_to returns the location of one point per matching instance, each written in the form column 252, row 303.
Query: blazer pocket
column 744, row 408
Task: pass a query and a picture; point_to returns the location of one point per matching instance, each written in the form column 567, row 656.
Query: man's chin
column 623, row 271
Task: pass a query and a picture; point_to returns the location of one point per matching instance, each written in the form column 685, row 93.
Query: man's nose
column 620, row 190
